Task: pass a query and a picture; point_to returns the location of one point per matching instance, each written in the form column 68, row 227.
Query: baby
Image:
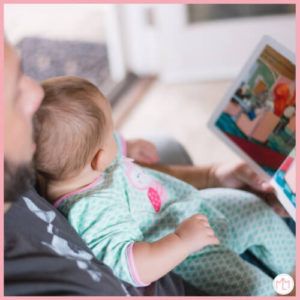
column 143, row 223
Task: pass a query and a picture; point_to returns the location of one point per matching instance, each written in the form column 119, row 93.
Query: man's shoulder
column 32, row 213
column 42, row 250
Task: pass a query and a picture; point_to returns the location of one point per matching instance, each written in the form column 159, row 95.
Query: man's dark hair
column 17, row 180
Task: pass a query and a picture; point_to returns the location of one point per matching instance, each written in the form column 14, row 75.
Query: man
column 43, row 254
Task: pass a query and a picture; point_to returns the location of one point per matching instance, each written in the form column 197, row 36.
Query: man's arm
column 237, row 175
column 234, row 175
column 199, row 177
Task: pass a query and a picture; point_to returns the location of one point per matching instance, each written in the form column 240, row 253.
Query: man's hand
column 142, row 151
column 241, row 176
column 196, row 233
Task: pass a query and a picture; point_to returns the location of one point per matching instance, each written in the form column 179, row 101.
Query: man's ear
column 96, row 163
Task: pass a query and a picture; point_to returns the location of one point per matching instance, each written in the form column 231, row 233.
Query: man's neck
column 57, row 189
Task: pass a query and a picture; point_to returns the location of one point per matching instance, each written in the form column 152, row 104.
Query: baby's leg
column 221, row 272
column 253, row 225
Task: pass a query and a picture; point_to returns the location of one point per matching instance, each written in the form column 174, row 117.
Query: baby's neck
column 57, row 189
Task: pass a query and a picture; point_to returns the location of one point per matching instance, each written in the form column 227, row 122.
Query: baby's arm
column 153, row 260
column 140, row 150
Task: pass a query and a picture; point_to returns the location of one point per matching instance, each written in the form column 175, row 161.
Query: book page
column 257, row 117
column 284, row 180
column 260, row 115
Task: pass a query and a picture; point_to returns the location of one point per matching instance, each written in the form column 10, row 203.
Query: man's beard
column 17, row 180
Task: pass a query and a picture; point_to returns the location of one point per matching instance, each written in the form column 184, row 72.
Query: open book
column 257, row 117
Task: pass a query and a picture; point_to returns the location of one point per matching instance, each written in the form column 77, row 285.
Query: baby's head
column 74, row 129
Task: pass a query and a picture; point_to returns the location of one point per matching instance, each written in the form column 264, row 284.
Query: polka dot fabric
column 115, row 213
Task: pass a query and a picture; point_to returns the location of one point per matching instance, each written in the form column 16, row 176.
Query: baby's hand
column 196, row 233
column 142, row 151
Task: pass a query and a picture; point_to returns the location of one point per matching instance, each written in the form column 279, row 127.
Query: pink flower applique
column 140, row 180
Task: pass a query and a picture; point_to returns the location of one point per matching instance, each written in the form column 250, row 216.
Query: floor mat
column 44, row 58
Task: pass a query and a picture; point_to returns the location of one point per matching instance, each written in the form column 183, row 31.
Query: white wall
column 179, row 52
column 55, row 21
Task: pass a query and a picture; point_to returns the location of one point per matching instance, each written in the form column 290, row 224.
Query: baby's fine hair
column 69, row 126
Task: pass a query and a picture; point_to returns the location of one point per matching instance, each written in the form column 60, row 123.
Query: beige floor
column 181, row 110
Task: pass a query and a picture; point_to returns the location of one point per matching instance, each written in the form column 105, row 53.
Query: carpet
column 44, row 58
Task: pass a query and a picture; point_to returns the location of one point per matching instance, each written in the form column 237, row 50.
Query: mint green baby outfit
column 130, row 204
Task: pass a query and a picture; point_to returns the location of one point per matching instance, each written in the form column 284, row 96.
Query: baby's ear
column 97, row 161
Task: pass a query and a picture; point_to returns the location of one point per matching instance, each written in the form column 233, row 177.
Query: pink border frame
column 1, row 145
column 2, row 2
